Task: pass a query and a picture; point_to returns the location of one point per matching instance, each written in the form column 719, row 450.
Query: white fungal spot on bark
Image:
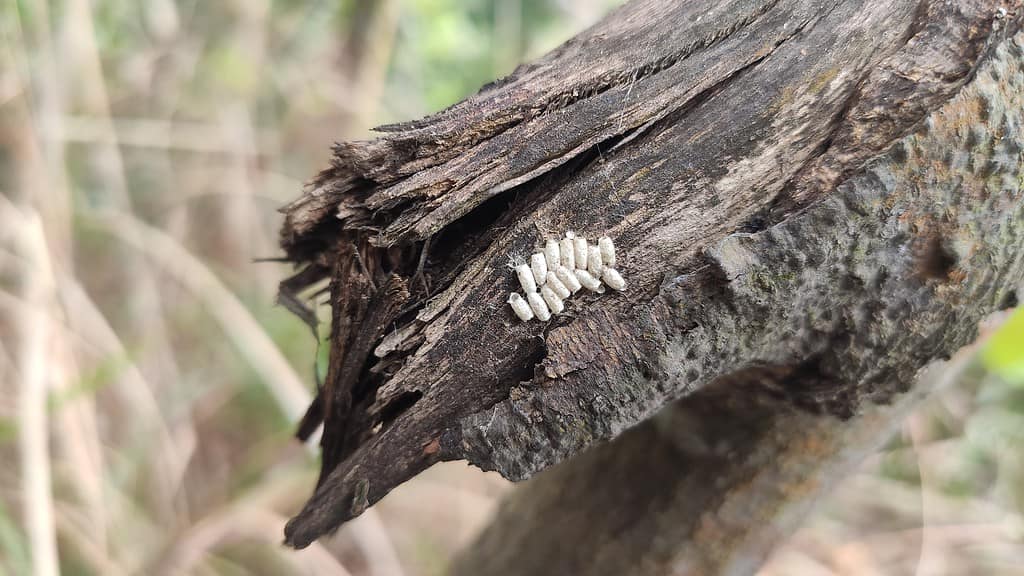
column 607, row 251
column 526, row 279
column 539, row 266
column 613, row 279
column 539, row 307
column 569, row 279
column 520, row 306
column 552, row 300
column 594, row 261
column 551, row 255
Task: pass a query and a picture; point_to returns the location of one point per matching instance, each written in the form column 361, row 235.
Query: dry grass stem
column 34, row 336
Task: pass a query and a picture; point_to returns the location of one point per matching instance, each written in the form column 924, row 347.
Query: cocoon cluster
column 563, row 268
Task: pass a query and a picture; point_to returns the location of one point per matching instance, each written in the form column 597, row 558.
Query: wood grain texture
column 721, row 144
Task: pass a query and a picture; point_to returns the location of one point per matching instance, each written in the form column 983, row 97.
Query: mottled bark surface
column 812, row 199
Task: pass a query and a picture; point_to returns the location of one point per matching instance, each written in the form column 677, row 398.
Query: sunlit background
column 148, row 385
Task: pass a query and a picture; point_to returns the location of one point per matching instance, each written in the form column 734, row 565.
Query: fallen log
column 811, row 199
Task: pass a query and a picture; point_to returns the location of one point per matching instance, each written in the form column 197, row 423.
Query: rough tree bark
column 813, row 199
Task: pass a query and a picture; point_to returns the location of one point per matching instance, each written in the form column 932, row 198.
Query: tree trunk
column 812, row 200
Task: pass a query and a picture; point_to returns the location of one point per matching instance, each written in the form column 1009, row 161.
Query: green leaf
column 1004, row 353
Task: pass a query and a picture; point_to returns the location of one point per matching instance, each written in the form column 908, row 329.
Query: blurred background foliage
column 149, row 385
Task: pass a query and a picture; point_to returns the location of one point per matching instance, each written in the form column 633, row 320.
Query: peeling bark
column 812, row 200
